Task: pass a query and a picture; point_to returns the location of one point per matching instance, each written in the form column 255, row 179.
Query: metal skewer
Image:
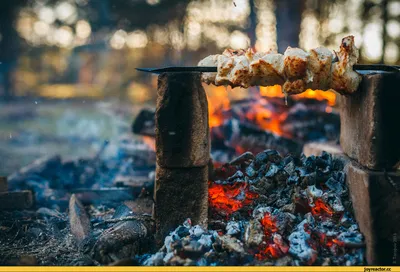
column 213, row 69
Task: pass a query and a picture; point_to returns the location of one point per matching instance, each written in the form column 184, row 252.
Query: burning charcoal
column 334, row 202
column 290, row 168
column 231, row 244
column 254, row 234
column 278, row 240
column 79, row 220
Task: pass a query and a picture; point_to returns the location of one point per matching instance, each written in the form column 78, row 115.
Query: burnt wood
column 369, row 121
column 16, row 200
column 182, row 132
column 78, row 219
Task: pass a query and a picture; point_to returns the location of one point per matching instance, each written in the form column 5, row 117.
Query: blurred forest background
column 67, row 48
column 63, row 61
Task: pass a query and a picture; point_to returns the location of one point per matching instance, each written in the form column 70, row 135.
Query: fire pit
column 258, row 208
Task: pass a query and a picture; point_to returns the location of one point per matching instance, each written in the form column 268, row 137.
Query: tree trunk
column 9, row 50
column 288, row 20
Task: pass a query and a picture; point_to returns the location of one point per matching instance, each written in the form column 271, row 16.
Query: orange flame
column 150, row 142
column 276, row 91
column 218, row 101
column 230, row 197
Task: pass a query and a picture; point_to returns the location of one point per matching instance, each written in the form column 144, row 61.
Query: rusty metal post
column 183, row 152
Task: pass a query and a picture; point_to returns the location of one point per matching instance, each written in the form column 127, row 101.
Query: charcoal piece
column 267, row 156
column 263, row 186
column 243, row 160
column 124, row 240
column 231, row 244
column 369, row 133
column 376, row 202
column 180, row 194
column 78, row 219
column 254, row 234
column 3, row 184
column 273, row 169
column 182, row 132
column 16, row 200
column 144, row 123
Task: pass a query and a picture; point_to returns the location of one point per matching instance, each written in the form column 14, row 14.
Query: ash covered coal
column 271, row 210
column 117, row 172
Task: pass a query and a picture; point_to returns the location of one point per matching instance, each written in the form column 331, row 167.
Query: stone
column 376, row 202
column 16, row 200
column 180, row 194
column 369, row 131
column 182, row 131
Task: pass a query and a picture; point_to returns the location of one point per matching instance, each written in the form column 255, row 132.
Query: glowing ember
column 230, row 198
column 269, row 249
column 268, row 224
column 320, row 208
column 329, row 241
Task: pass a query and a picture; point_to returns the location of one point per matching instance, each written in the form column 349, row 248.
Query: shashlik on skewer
column 296, row 69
